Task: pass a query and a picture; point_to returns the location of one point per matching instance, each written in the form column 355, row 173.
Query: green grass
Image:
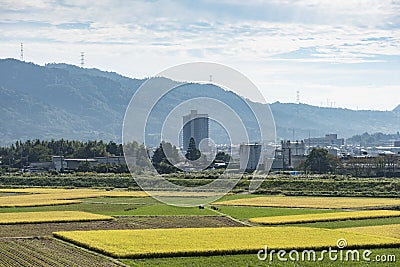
column 244, row 213
column 252, row 260
column 121, row 200
column 162, row 209
column 352, row 223
column 237, row 196
column 105, row 209
column 118, row 206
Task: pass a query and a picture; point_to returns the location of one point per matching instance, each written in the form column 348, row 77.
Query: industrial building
column 73, row 164
column 328, row 140
column 289, row 155
column 250, row 155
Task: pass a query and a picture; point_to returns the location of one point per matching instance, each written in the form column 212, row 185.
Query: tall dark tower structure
column 195, row 125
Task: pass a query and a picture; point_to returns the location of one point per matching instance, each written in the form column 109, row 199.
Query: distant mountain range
column 65, row 101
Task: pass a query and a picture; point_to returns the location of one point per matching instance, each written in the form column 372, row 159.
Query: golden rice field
column 214, row 241
column 29, row 197
column 41, row 190
column 325, row 217
column 313, row 202
column 50, row 216
column 391, row 230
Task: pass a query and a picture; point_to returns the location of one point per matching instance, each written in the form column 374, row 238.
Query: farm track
column 47, row 252
column 121, row 222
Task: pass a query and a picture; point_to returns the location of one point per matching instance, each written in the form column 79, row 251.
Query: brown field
column 47, row 252
column 121, row 222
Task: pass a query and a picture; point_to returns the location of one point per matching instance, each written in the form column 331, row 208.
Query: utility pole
column 82, row 59
column 22, row 52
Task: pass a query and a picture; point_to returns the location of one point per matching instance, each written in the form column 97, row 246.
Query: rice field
column 215, row 241
column 30, row 197
column 313, row 202
column 50, row 216
column 325, row 217
column 391, row 230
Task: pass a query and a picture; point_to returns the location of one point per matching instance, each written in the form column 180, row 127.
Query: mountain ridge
column 65, row 101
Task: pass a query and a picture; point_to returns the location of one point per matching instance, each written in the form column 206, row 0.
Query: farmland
column 122, row 206
column 308, row 185
column 252, row 260
column 246, row 212
column 391, row 230
column 52, row 196
column 334, row 216
column 45, row 252
column 50, row 216
column 119, row 222
column 45, row 197
column 313, row 202
column 214, row 241
column 134, row 211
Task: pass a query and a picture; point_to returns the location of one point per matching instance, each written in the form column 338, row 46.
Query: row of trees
column 21, row 153
column 103, row 168
column 320, row 161
column 371, row 167
column 166, row 153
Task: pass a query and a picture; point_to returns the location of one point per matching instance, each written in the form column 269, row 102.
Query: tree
column 170, row 152
column 320, row 161
column 222, row 157
column 142, row 157
column 84, row 166
column 159, row 155
column 112, row 148
column 160, row 160
column 192, row 152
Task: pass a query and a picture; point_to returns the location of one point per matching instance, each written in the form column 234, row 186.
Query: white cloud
column 258, row 36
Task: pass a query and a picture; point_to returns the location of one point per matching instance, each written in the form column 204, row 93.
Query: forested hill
column 64, row 101
column 61, row 101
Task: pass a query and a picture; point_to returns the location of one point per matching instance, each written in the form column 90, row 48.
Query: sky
column 334, row 53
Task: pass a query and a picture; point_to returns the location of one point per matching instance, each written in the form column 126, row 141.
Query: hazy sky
column 342, row 53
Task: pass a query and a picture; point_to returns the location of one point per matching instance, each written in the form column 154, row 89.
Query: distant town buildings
column 288, row 155
column 195, row 125
column 328, row 140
